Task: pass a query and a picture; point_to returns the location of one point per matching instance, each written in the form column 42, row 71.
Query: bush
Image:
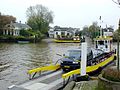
column 19, row 37
column 25, row 35
column 2, row 37
column 111, row 74
column 82, row 78
column 9, row 38
column 6, row 37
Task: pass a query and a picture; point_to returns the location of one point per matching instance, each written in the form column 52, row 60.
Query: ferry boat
column 98, row 62
column 54, row 79
column 66, row 41
column 75, row 39
column 102, row 51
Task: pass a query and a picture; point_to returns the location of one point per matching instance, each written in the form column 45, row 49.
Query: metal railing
column 33, row 72
column 90, row 68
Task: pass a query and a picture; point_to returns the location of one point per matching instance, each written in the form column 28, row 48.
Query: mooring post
column 29, row 76
column 83, row 58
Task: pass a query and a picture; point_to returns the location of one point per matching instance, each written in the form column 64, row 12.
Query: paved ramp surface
column 52, row 81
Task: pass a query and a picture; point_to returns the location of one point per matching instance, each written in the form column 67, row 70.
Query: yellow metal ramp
column 40, row 69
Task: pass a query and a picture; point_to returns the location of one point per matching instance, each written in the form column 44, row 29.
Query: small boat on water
column 97, row 59
column 23, row 42
column 75, row 39
column 66, row 41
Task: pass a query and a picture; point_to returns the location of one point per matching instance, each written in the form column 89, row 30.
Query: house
column 61, row 32
column 64, row 32
column 14, row 28
column 107, row 31
column 51, row 32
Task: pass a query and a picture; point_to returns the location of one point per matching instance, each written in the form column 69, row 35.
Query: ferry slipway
column 53, row 79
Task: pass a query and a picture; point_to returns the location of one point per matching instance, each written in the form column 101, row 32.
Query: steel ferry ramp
column 51, row 81
column 47, row 81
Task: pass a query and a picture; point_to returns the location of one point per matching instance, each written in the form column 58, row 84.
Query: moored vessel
column 75, row 39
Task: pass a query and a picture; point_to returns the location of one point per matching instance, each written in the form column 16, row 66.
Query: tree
column 115, row 35
column 39, row 18
column 118, row 39
column 5, row 19
column 118, row 36
column 116, row 2
column 26, row 33
column 85, row 31
column 94, row 30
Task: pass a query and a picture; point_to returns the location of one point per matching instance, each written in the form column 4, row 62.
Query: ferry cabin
column 104, row 43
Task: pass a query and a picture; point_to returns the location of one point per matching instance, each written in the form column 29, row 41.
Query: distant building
column 108, row 31
column 51, row 32
column 14, row 28
column 63, row 32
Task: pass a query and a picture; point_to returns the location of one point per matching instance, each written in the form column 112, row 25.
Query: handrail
column 45, row 68
column 89, row 68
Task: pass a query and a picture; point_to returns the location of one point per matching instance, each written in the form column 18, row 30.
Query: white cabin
column 104, row 43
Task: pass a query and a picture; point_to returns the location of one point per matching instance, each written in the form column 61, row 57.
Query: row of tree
column 91, row 31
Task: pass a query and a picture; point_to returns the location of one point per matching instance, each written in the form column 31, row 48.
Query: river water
column 21, row 57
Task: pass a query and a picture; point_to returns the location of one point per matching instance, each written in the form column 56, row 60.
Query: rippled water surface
column 18, row 58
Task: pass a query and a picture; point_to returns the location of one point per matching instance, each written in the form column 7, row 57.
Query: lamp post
column 118, row 3
column 118, row 45
column 101, row 22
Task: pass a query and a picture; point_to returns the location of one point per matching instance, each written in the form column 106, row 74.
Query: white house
column 51, row 32
column 108, row 32
column 14, row 28
column 62, row 32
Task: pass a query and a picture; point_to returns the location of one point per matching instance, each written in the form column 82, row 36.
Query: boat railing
column 33, row 72
column 92, row 68
column 102, row 57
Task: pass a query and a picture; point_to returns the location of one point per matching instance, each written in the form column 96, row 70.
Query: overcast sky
column 67, row 13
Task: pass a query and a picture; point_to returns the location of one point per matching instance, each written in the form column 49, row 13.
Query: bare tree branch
column 39, row 18
column 116, row 2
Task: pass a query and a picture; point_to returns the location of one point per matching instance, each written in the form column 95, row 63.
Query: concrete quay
column 51, row 81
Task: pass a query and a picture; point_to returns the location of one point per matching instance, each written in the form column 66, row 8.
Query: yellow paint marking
column 46, row 68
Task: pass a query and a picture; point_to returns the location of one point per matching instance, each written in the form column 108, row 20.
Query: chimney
column 19, row 21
